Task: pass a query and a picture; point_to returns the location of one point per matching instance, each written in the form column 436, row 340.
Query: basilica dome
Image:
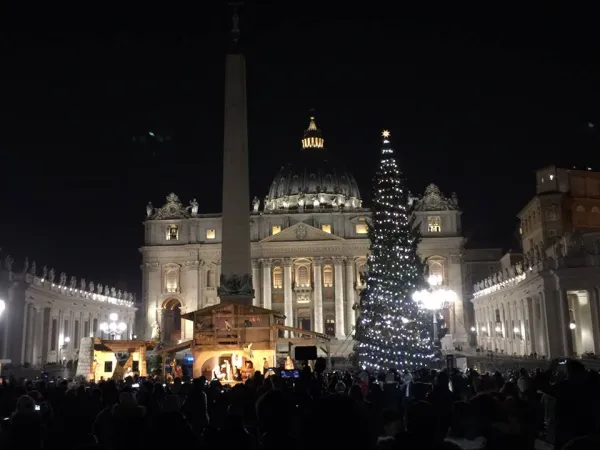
column 315, row 181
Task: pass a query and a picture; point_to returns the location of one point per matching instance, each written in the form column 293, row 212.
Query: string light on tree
column 393, row 331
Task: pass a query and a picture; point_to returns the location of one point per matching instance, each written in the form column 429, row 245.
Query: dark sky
column 475, row 100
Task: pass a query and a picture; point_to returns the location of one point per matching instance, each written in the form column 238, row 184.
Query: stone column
column 563, row 313
column 29, row 340
column 339, row 298
column 287, row 292
column 595, row 317
column 256, row 282
column 318, row 294
column 25, row 332
column 350, row 296
column 532, row 332
column 38, row 331
column 267, row 283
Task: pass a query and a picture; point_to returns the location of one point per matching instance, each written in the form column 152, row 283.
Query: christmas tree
column 392, row 331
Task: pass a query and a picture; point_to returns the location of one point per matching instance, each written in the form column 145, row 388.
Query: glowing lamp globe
column 122, row 326
column 114, row 317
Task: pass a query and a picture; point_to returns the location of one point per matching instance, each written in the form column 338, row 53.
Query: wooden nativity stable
column 232, row 341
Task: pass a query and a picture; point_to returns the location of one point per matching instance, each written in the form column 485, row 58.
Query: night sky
column 475, row 101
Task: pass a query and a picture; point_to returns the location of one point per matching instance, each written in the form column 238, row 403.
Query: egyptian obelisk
column 236, row 271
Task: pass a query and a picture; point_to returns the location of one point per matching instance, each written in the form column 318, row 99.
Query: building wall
column 40, row 314
column 548, row 306
column 300, row 267
column 307, row 265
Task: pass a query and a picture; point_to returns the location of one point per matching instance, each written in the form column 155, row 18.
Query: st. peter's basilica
column 309, row 250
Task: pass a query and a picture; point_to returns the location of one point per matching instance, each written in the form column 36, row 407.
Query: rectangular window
column 326, row 228
column 361, row 228
column 135, row 366
column 108, row 366
column 86, row 329
column 53, row 334
column 211, row 234
column 277, row 278
column 76, row 333
column 172, row 233
column 275, row 229
column 434, row 224
column 66, row 330
column 94, row 326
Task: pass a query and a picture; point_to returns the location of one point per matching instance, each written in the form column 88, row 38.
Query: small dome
column 313, row 181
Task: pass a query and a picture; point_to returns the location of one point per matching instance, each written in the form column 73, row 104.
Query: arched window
column 436, row 269
column 595, row 209
column 302, row 276
column 172, row 280
column 328, row 276
column 211, row 279
column 580, row 209
column 277, row 278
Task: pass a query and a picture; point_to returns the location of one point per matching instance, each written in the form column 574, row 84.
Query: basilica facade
column 309, row 248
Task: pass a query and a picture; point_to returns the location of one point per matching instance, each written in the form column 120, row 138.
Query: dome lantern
column 312, row 136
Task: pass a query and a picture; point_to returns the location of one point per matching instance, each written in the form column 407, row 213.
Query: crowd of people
column 317, row 410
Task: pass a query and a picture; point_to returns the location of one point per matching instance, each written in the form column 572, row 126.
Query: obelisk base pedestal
column 236, row 289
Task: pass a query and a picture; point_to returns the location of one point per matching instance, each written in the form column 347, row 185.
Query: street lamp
column 113, row 328
column 434, row 299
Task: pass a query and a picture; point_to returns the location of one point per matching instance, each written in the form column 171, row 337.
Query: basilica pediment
column 302, row 232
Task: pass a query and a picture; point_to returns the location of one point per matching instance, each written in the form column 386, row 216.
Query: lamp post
column 113, row 328
column 434, row 299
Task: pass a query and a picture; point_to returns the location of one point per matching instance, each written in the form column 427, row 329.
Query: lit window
column 330, row 327
column 326, row 228
column 551, row 177
column 361, row 228
column 434, row 224
column 172, row 280
column 275, row 229
column 436, row 269
column 211, row 234
column 277, row 278
column 520, row 230
column 302, row 276
column 172, row 233
column 327, row 276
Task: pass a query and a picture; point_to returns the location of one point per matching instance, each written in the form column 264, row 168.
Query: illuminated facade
column 47, row 315
column 546, row 301
column 309, row 249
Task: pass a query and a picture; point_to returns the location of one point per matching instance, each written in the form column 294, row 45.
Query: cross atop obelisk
column 236, row 278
